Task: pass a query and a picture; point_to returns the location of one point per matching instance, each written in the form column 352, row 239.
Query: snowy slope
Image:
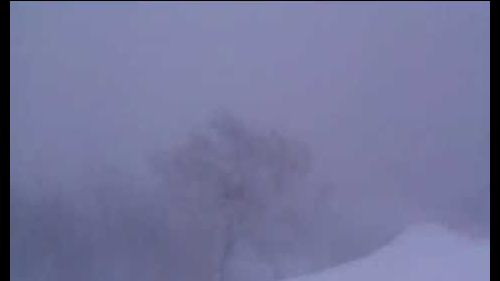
column 421, row 253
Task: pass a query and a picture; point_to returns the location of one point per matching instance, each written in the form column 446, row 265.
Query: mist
column 386, row 104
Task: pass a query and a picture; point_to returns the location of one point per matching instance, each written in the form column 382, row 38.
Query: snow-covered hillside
column 421, row 253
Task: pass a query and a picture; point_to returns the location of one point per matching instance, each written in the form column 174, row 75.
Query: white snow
column 422, row 253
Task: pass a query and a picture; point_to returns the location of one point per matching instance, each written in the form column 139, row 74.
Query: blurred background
column 383, row 109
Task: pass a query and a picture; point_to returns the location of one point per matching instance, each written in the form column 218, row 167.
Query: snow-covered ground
column 422, row 253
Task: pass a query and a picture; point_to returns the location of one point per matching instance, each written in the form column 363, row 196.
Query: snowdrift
column 421, row 253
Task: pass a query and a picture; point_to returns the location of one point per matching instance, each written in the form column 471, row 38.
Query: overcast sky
column 392, row 97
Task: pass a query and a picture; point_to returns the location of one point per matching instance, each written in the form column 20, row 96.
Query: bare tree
column 229, row 177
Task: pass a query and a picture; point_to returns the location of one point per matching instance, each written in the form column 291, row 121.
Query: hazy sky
column 391, row 96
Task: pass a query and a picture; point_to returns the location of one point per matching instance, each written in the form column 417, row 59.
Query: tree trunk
column 227, row 248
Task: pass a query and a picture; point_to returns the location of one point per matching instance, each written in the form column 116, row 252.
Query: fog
column 385, row 106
